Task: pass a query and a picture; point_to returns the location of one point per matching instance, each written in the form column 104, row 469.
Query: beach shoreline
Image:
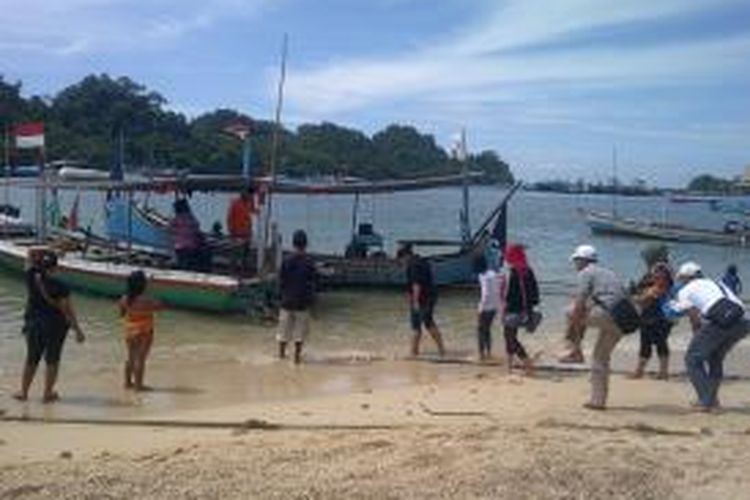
column 481, row 433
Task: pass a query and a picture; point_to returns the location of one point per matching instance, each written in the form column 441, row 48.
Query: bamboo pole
column 275, row 143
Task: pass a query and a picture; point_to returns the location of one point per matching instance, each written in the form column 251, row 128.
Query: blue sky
column 552, row 85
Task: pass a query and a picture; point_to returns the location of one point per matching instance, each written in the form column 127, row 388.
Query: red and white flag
column 29, row 135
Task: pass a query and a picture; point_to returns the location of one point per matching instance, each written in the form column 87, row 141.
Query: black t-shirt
column 419, row 272
column 517, row 299
column 37, row 307
column 297, row 282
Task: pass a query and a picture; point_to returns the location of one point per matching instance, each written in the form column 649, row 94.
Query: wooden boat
column 149, row 228
column 104, row 276
column 604, row 223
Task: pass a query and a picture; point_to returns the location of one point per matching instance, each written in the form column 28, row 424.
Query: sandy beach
column 481, row 434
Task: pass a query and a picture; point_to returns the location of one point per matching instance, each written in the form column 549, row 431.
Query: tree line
column 84, row 122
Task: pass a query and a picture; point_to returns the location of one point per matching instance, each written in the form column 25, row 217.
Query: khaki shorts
column 293, row 325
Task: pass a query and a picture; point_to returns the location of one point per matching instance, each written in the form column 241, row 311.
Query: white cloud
column 476, row 62
column 70, row 27
column 485, row 77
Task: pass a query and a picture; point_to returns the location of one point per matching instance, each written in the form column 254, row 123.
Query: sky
column 554, row 86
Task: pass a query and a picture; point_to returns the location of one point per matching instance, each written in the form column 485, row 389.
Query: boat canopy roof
column 214, row 183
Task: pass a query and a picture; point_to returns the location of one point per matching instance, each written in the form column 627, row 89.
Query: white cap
column 689, row 270
column 585, row 252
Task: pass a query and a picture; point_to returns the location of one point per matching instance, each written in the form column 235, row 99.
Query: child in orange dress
column 137, row 311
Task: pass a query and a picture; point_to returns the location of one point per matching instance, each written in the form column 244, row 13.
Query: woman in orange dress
column 137, row 310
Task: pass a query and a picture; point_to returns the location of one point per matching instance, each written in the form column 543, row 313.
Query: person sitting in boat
column 189, row 243
column 732, row 226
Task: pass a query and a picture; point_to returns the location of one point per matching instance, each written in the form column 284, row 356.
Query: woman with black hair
column 520, row 297
column 189, row 243
column 48, row 316
column 489, row 303
column 137, row 310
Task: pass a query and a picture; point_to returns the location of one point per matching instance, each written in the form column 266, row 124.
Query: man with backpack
column 717, row 316
column 599, row 295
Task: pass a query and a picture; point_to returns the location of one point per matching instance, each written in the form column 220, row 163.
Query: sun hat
column 585, row 252
column 689, row 270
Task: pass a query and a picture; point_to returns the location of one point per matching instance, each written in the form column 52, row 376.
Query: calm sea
column 202, row 359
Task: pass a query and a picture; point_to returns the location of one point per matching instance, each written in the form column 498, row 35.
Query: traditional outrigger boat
column 605, row 223
column 99, row 266
column 199, row 291
column 363, row 263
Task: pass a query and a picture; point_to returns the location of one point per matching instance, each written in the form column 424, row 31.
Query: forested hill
column 83, row 120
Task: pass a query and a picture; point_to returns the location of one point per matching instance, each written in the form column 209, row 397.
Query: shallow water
column 202, row 360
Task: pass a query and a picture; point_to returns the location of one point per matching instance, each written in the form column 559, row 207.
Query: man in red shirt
column 240, row 225
column 240, row 215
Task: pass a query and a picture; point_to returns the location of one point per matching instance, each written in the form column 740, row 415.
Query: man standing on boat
column 240, row 215
column 422, row 296
column 240, row 223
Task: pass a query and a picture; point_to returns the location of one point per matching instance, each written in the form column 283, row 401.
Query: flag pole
column 6, row 173
column 42, row 199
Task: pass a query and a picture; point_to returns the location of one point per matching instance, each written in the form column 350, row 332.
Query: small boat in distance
column 693, row 198
column 608, row 224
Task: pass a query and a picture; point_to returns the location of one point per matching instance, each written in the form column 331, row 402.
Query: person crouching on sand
column 48, row 316
column 718, row 318
column 489, row 304
column 137, row 310
column 598, row 290
column 297, row 281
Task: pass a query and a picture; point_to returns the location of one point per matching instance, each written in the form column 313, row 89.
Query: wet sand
column 479, row 434
column 356, row 419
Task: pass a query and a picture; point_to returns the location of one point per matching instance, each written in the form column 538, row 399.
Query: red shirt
column 239, row 218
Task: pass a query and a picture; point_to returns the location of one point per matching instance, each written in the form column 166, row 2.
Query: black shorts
column 423, row 316
column 44, row 340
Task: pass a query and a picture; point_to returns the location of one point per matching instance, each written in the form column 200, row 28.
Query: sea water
column 203, row 360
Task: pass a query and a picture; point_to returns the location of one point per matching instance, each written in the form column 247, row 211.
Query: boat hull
column 339, row 271
column 181, row 289
column 607, row 224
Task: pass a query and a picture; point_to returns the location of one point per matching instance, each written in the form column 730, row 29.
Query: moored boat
column 604, row 223
column 182, row 289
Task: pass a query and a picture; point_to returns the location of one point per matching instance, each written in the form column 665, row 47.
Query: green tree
column 707, row 183
column 84, row 121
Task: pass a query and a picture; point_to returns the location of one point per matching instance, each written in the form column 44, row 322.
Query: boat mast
column 276, row 139
column 464, row 218
column 614, row 181
column 6, row 162
column 42, row 200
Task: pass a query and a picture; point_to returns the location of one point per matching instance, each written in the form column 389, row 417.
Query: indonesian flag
column 29, row 135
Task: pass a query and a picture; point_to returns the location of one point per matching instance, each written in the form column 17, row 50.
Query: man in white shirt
column 700, row 298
